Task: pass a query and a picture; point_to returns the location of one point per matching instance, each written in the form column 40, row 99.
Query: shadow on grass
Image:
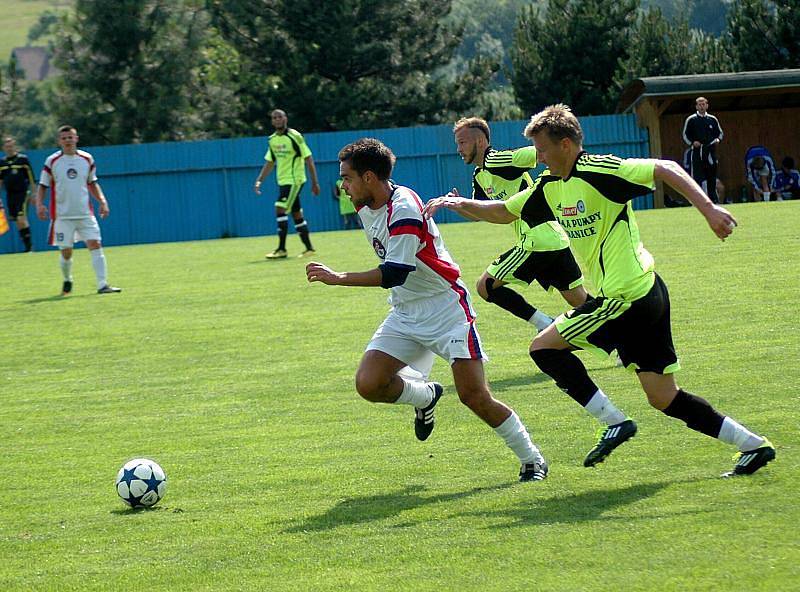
column 535, row 377
column 581, row 507
column 368, row 508
column 55, row 298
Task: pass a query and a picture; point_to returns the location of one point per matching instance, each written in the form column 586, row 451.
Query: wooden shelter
column 752, row 107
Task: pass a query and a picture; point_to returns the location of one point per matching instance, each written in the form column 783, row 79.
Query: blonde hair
column 558, row 121
column 473, row 123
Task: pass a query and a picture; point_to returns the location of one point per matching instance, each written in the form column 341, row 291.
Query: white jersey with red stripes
column 68, row 176
column 401, row 235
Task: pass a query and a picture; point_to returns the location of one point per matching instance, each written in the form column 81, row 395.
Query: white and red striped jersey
column 68, row 177
column 401, row 235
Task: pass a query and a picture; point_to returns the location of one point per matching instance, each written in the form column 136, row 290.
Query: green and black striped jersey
column 505, row 173
column 16, row 174
column 289, row 152
column 593, row 205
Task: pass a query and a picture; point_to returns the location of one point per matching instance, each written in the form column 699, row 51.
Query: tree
column 9, row 93
column 570, row 53
column 764, row 34
column 346, row 64
column 668, row 47
column 131, row 71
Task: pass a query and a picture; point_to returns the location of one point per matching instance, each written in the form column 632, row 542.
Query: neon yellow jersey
column 345, row 205
column 505, row 173
column 289, row 152
column 593, row 205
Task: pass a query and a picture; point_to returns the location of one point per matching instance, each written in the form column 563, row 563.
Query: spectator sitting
column 787, row 180
column 760, row 169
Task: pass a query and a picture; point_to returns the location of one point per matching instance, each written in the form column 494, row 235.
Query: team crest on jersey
column 380, row 250
column 581, row 206
column 72, row 173
column 489, row 191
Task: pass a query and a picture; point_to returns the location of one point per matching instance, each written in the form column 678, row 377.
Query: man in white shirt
column 431, row 309
column 70, row 176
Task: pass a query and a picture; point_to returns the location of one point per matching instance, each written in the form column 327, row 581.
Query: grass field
column 236, row 375
column 18, row 16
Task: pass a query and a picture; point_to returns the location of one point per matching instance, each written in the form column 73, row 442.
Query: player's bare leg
column 473, row 391
column 377, row 381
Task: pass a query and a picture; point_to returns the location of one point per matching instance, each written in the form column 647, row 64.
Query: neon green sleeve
column 524, row 158
column 516, row 202
column 640, row 171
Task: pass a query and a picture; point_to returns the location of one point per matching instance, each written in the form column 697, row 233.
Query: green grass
column 236, row 375
column 18, row 16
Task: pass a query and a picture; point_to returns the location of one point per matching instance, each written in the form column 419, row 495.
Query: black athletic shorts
column 556, row 269
column 17, row 204
column 640, row 331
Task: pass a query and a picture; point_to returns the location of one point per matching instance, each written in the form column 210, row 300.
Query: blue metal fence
column 201, row 190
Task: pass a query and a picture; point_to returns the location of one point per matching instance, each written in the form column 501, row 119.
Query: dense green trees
column 157, row 70
column 345, row 64
column 133, row 71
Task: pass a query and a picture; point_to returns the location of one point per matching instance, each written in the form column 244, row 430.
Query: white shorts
column 66, row 232
column 443, row 325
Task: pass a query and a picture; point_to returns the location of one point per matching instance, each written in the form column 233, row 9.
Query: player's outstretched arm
column 719, row 219
column 317, row 272
column 490, row 211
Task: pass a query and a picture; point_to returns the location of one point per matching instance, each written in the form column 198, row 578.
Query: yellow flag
column 3, row 222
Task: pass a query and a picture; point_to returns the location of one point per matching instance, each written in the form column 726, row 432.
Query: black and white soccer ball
column 141, row 482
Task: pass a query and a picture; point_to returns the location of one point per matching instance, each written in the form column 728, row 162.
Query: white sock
column 600, row 407
column 516, row 437
column 66, row 268
column 738, row 435
column 99, row 264
column 540, row 320
column 418, row 394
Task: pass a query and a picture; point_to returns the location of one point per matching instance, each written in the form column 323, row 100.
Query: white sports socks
column 516, row 437
column 66, row 268
column 418, row 394
column 600, row 407
column 734, row 433
column 99, row 264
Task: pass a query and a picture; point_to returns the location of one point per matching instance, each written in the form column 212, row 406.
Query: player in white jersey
column 431, row 310
column 70, row 176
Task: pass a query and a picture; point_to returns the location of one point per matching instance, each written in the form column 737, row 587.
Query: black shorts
column 17, row 204
column 556, row 269
column 640, row 331
column 289, row 197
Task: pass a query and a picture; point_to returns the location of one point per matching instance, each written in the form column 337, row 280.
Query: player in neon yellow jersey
column 591, row 197
column 541, row 251
column 288, row 152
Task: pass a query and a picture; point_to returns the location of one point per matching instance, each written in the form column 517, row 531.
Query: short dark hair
column 66, row 128
column 788, row 162
column 473, row 123
column 369, row 154
column 558, row 121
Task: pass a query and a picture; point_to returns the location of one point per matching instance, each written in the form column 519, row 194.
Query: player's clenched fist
column 317, row 272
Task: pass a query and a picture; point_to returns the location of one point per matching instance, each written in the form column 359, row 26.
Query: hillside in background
column 18, row 17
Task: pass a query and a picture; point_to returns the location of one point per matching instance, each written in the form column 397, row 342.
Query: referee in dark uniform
column 16, row 175
column 702, row 133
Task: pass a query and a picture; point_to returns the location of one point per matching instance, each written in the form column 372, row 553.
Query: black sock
column 301, row 226
column 283, row 228
column 568, row 371
column 698, row 413
column 511, row 301
column 25, row 235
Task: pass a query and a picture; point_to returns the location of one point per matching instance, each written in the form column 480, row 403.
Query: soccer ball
column 141, row 483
